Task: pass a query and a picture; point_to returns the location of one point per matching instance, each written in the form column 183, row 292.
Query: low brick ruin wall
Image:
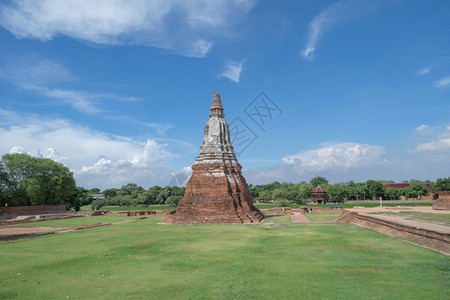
column 432, row 239
column 32, row 210
column 132, row 212
column 443, row 201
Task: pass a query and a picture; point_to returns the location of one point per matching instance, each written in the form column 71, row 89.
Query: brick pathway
column 299, row 218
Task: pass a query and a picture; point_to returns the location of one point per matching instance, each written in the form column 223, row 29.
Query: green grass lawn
column 275, row 259
column 128, row 208
column 323, row 216
column 87, row 208
column 78, row 221
column 443, row 219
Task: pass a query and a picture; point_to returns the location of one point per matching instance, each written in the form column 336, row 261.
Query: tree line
column 133, row 194
column 369, row 190
column 28, row 180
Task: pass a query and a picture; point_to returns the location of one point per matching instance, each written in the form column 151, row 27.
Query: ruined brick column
column 216, row 192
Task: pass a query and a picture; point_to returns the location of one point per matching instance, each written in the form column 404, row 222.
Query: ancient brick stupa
column 216, row 192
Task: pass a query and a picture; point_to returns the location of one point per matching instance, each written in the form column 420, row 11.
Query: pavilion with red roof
column 319, row 195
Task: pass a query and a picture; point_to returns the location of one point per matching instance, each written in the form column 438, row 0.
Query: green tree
column 3, row 184
column 110, row 193
column 336, row 191
column 265, row 196
column 375, row 189
column 163, row 195
column 173, row 200
column 279, row 194
column 441, row 184
column 153, row 193
column 304, row 191
column 362, row 193
column 393, row 193
column 416, row 189
column 318, row 180
column 94, row 191
column 35, row 181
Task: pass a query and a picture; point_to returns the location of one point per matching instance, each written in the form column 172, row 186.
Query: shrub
column 173, row 200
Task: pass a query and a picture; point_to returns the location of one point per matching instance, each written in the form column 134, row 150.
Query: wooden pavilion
column 319, row 195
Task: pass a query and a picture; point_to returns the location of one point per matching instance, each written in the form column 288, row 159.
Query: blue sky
column 119, row 91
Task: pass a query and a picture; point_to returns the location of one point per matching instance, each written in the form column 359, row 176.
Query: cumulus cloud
column 443, row 82
column 342, row 156
column 184, row 27
column 440, row 143
column 435, row 145
column 232, row 71
column 51, row 153
column 96, row 158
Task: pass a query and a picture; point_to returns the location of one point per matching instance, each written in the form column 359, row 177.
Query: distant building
column 98, row 197
column 319, row 195
column 400, row 185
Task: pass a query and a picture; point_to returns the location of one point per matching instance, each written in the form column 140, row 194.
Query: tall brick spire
column 216, row 192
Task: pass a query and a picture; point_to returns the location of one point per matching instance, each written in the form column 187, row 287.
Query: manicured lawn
column 275, row 259
column 78, row 221
column 269, row 206
column 443, row 219
column 87, row 208
column 127, row 208
column 323, row 216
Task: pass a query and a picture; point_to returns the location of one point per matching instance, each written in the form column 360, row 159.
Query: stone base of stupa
column 212, row 199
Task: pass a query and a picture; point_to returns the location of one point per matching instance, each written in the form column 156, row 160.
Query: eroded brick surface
column 216, row 192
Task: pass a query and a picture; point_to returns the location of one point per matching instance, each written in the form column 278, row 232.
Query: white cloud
column 232, row 71
column 51, row 153
column 96, row 158
column 329, row 17
column 200, row 48
column 29, row 72
column 342, row 156
column 424, row 71
column 319, row 25
column 41, row 75
column 435, row 145
column 184, row 27
column 421, row 128
column 443, row 82
column 440, row 143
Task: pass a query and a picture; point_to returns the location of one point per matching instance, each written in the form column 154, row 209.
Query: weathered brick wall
column 32, row 210
column 433, row 239
column 443, row 201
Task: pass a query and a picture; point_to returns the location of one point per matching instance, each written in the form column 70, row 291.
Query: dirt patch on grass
column 13, row 233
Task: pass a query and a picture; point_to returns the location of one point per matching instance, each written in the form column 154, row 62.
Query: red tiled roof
column 318, row 190
column 397, row 185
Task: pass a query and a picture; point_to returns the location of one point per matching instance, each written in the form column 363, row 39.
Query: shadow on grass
column 272, row 216
column 15, row 237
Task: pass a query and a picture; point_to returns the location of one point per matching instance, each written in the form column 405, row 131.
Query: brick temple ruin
column 216, row 192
